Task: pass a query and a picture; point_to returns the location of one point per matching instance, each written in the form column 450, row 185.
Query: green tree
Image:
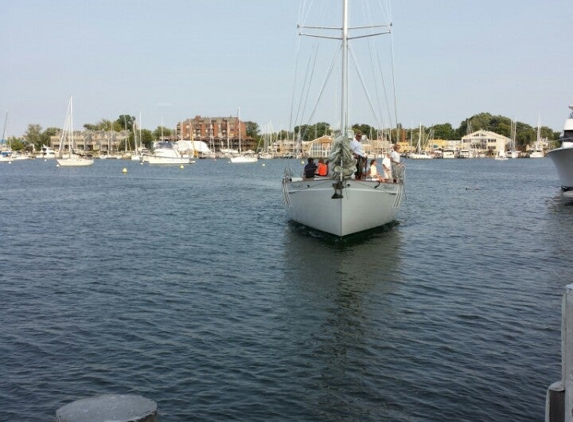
column 15, row 143
column 252, row 129
column 162, row 131
column 47, row 135
column 147, row 138
column 125, row 121
column 34, row 135
column 302, row 132
column 367, row 130
column 444, row 131
column 104, row 124
column 310, row 132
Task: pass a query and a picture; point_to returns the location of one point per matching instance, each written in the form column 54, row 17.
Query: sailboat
column 137, row 148
column 500, row 156
column 537, row 149
column 340, row 204
column 241, row 157
column 5, row 149
column 513, row 153
column 420, row 154
column 71, row 159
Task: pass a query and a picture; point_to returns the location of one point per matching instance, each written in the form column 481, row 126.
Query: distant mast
column 239, row 125
column 5, row 127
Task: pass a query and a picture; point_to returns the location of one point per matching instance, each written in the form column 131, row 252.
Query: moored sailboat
column 340, row 204
column 71, row 158
column 537, row 151
column 242, row 157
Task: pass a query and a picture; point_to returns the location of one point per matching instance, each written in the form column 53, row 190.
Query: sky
column 169, row 60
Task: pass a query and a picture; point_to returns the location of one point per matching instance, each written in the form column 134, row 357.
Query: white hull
column 536, row 154
column 364, row 204
column 563, row 160
column 166, row 160
column 420, row 157
column 75, row 162
column 243, row 159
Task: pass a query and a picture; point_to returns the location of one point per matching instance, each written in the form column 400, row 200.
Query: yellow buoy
column 182, row 166
column 263, row 164
column 124, row 170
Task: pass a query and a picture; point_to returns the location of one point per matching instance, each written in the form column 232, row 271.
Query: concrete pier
column 109, row 407
column 559, row 401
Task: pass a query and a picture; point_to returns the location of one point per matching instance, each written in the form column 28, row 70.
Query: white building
column 485, row 142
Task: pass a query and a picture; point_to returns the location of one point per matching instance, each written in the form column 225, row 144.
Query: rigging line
column 304, row 16
column 361, row 78
column 394, row 82
column 326, row 79
column 306, row 86
column 367, row 15
column 301, row 18
column 372, row 49
column 293, row 94
column 383, row 79
column 387, row 12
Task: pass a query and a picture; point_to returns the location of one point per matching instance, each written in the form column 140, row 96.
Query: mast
column 5, row 126
column 239, row 124
column 344, row 106
column 71, row 127
column 140, row 140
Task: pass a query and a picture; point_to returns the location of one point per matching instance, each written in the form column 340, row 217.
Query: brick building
column 219, row 133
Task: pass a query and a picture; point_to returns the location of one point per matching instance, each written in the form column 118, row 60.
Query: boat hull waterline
column 243, row 159
column 343, row 211
column 75, row 162
column 167, row 161
column 562, row 159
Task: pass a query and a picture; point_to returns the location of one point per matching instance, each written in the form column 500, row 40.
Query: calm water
column 189, row 287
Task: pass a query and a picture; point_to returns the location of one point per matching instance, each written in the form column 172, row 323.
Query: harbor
column 188, row 286
column 357, row 225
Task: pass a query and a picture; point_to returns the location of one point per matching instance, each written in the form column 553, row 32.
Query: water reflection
column 341, row 292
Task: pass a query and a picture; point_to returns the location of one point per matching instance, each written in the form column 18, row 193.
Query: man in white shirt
column 395, row 158
column 387, row 167
column 358, row 153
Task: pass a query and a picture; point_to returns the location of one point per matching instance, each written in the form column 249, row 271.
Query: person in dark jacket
column 310, row 169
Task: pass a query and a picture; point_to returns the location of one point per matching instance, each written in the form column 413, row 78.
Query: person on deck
column 310, row 169
column 374, row 171
column 396, row 166
column 386, row 167
column 358, row 153
column 322, row 169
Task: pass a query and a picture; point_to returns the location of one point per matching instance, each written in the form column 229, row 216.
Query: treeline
column 525, row 134
column 35, row 137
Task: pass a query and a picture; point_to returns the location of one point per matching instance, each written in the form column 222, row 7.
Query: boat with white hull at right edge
column 562, row 157
column 340, row 204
